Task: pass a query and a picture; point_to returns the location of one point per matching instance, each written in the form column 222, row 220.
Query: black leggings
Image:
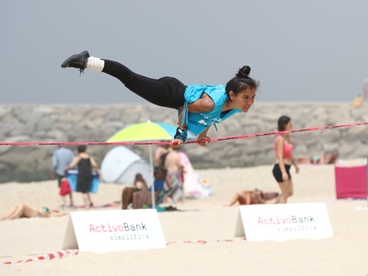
column 166, row 91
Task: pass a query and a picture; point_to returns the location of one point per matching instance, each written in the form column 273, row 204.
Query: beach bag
column 142, row 198
column 65, row 188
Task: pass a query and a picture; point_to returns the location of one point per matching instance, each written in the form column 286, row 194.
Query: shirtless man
column 174, row 178
column 160, row 155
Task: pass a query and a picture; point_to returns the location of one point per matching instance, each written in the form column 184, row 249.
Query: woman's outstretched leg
column 166, row 91
column 11, row 214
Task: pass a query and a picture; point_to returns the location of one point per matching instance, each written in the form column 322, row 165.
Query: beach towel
column 107, row 205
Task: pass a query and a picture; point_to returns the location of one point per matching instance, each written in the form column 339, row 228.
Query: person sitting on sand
column 24, row 211
column 247, row 197
column 139, row 184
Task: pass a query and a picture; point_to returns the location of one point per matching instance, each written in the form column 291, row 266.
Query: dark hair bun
column 243, row 72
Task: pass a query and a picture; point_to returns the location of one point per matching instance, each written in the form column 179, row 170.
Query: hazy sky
column 314, row 50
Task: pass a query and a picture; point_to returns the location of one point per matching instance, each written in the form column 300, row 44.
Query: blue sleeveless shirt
column 199, row 122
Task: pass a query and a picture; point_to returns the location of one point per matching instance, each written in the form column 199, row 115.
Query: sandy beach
column 203, row 219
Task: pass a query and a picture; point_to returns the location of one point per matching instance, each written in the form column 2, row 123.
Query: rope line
column 48, row 256
column 188, row 142
column 282, row 132
column 65, row 253
column 202, row 241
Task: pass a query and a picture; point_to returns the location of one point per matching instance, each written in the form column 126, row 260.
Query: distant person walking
column 85, row 163
column 60, row 159
column 284, row 159
column 199, row 106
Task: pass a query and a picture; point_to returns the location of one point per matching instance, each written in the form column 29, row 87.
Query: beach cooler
column 73, row 175
column 351, row 182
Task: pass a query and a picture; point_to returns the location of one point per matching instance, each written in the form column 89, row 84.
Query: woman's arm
column 94, row 165
column 295, row 164
column 176, row 142
column 180, row 118
column 204, row 104
column 74, row 162
column 203, row 138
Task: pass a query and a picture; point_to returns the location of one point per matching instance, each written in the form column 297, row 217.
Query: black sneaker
column 78, row 61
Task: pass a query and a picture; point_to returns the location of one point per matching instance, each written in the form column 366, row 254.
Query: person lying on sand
column 24, row 211
column 326, row 158
column 253, row 197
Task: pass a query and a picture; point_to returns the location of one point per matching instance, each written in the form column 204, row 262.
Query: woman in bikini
column 284, row 156
column 24, row 211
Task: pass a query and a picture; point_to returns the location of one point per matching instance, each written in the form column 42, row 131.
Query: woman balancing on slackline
column 199, row 106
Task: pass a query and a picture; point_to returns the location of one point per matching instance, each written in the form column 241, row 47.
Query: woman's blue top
column 198, row 122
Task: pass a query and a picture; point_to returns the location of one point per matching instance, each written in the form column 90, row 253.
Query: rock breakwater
column 95, row 123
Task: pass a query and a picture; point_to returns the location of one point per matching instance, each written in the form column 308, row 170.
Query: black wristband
column 181, row 134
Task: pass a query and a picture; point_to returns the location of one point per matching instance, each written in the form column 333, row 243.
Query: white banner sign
column 279, row 222
column 103, row 231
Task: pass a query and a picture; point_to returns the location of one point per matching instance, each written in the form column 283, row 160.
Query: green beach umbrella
column 149, row 131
